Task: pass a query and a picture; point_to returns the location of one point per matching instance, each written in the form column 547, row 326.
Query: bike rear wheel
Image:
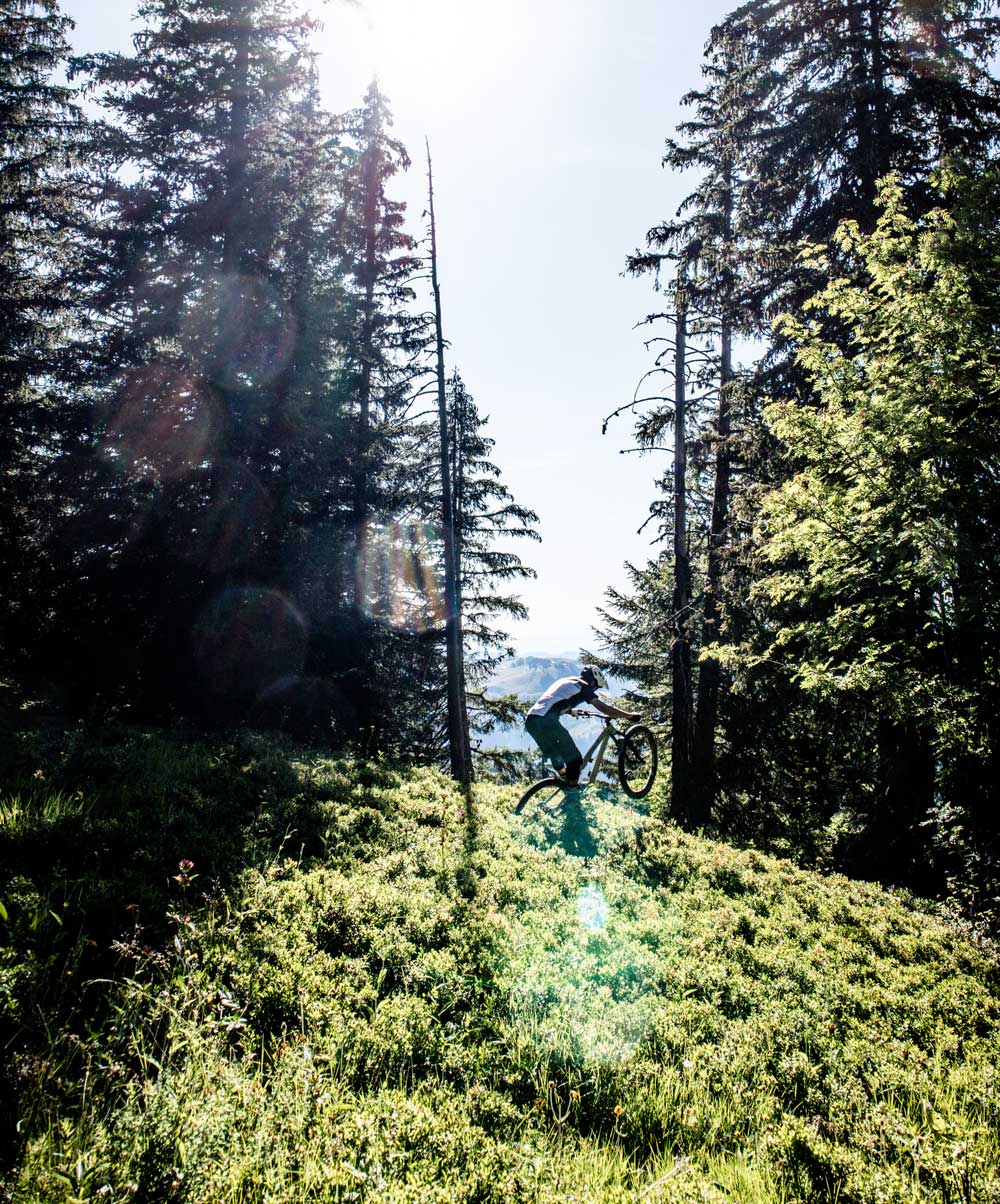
column 546, row 794
column 637, row 761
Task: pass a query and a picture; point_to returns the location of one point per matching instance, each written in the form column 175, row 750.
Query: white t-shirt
column 563, row 695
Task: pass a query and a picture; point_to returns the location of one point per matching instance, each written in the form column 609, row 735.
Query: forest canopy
column 241, row 486
column 822, row 626
column 221, row 499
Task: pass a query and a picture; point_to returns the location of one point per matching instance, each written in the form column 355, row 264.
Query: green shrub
column 248, row 973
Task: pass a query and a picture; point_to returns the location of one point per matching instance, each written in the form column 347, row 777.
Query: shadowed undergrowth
column 237, row 971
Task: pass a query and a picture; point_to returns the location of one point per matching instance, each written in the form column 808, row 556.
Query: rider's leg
column 539, row 728
column 571, row 771
column 557, row 744
column 569, row 754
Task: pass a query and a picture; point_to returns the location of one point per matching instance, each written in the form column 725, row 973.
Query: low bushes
column 235, row 971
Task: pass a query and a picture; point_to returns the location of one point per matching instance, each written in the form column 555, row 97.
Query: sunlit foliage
column 879, row 550
column 238, row 970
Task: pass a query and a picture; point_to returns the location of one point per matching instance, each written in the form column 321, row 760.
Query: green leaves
column 863, row 538
column 878, row 570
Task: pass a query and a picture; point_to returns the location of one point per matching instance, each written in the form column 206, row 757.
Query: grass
column 238, row 971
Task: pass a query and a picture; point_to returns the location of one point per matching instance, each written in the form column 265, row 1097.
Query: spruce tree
column 712, row 143
column 40, row 132
column 486, row 515
column 386, row 664
column 193, row 292
column 843, row 93
column 880, row 569
column 698, row 250
column 382, row 337
column 459, row 747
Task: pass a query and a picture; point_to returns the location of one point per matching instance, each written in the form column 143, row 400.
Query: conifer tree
column 40, row 132
column 841, row 94
column 486, row 514
column 638, row 628
column 700, row 244
column 682, row 693
column 458, row 721
column 187, row 350
column 383, row 340
column 880, row 575
column 713, row 141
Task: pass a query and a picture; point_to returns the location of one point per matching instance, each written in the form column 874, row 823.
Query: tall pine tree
column 40, row 133
column 186, row 352
column 488, row 521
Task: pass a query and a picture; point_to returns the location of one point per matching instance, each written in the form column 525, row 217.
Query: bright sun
column 425, row 52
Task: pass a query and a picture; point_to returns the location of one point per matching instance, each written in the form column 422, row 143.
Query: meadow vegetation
column 235, row 970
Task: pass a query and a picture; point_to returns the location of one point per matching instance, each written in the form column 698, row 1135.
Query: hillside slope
column 238, row 972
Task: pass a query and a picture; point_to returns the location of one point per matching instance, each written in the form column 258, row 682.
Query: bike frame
column 600, row 745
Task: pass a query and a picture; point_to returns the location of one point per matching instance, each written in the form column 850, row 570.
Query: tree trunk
column 972, row 778
column 238, row 151
column 895, row 848
column 864, row 123
column 458, row 504
column 231, row 300
column 362, row 466
column 680, row 783
column 876, row 20
column 457, row 720
column 710, row 671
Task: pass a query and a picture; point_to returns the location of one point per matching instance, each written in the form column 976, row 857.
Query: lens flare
column 231, row 524
column 247, row 639
column 161, row 423
column 584, row 984
column 592, row 908
column 398, row 575
column 243, row 329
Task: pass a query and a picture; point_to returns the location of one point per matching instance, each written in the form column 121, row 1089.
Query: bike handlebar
column 595, row 715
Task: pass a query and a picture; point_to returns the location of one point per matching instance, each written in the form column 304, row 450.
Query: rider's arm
column 613, row 712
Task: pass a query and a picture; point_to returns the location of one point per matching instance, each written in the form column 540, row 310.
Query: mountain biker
column 543, row 721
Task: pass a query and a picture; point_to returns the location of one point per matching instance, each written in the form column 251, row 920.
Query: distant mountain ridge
column 528, row 677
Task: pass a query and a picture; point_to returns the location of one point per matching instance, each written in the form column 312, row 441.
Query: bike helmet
column 594, row 677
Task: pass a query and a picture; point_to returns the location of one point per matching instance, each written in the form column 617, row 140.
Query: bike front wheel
column 545, row 794
column 637, row 761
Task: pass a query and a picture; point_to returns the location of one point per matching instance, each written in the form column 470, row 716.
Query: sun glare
column 427, row 53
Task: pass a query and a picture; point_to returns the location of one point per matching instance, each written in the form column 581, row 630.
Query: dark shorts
column 552, row 738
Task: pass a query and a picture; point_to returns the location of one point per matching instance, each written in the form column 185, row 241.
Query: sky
column 546, row 121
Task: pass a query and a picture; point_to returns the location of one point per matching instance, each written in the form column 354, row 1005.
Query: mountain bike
column 636, row 756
